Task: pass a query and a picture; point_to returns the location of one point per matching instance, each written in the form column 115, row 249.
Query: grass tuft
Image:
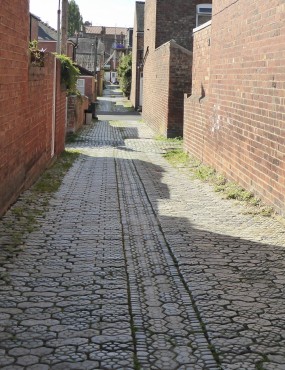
column 71, row 137
column 51, row 179
column 177, row 157
column 177, row 139
column 204, row 173
column 230, row 190
column 23, row 217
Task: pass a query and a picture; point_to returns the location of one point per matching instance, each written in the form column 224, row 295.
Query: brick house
column 32, row 106
column 167, row 69
column 100, row 41
column 235, row 116
column 137, row 57
column 47, row 36
column 86, row 84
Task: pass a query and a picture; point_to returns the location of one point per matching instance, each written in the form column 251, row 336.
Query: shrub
column 69, row 73
column 37, row 56
column 125, row 74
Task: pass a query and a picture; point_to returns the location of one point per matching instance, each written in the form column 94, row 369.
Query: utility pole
column 115, row 50
column 64, row 25
column 58, row 48
column 93, row 105
column 95, row 55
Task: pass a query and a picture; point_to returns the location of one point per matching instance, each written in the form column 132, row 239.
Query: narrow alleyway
column 136, row 266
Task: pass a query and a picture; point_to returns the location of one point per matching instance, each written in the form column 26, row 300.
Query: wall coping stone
column 204, row 25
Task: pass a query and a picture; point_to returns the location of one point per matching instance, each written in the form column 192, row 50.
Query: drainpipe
column 53, row 111
column 64, row 27
column 58, row 49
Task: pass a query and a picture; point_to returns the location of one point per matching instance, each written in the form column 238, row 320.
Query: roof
column 101, row 30
column 46, row 32
column 83, row 71
column 140, row 15
column 86, row 45
column 35, row 16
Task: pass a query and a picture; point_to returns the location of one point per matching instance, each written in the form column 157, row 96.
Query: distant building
column 47, row 36
column 107, row 43
column 167, row 63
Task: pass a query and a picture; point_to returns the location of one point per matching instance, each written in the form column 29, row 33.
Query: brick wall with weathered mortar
column 165, row 79
column 238, row 127
column 175, row 21
column 168, row 75
column 26, row 96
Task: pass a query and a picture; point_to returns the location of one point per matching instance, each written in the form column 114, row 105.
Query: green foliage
column 204, row 173
column 177, row 157
column 177, row 139
column 51, row 179
column 75, row 20
column 69, row 73
column 229, row 190
column 37, row 56
column 33, row 45
column 125, row 73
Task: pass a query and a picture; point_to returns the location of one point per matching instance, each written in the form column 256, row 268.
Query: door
column 81, row 86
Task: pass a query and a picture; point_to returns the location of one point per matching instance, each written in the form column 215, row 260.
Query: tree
column 75, row 20
column 125, row 73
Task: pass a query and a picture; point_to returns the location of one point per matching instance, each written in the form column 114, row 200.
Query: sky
column 110, row 13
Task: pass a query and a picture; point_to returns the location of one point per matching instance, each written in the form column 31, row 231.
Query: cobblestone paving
column 135, row 266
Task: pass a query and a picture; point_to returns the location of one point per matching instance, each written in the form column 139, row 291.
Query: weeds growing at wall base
column 23, row 217
column 228, row 189
column 178, row 139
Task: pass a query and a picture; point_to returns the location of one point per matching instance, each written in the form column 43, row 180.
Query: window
column 204, row 14
column 81, row 86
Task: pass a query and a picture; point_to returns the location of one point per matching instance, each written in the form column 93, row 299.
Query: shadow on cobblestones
column 135, row 266
column 236, row 285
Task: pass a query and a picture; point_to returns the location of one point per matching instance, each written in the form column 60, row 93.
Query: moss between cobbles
column 51, row 179
column 22, row 218
column 229, row 190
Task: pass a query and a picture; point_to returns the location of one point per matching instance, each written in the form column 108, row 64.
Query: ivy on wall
column 69, row 73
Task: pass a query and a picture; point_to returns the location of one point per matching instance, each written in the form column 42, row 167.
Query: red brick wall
column 50, row 46
column 89, row 88
column 165, row 22
column 14, row 31
column 150, row 10
column 25, row 106
column 194, row 124
column 180, row 81
column 167, row 74
column 242, row 130
column 155, row 89
column 34, row 28
column 176, row 21
column 75, row 112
